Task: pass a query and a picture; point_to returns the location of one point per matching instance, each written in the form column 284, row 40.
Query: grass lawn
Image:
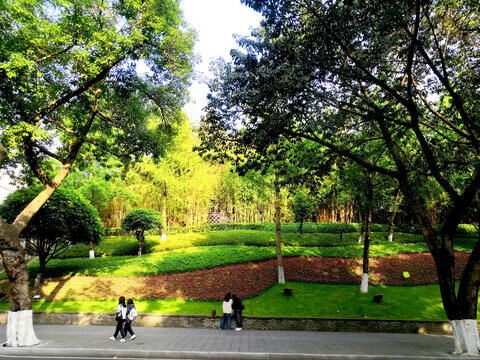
column 308, row 300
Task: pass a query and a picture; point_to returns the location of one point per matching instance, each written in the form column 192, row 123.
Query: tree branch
column 342, row 152
column 49, row 153
column 87, row 85
column 21, row 221
column 54, row 54
column 440, row 116
column 457, row 101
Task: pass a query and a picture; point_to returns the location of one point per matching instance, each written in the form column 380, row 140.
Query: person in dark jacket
column 131, row 316
column 237, row 307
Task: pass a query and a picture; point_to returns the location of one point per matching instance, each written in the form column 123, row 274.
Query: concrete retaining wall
column 249, row 322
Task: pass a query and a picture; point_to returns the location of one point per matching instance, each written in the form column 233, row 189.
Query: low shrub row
column 128, row 245
column 308, row 227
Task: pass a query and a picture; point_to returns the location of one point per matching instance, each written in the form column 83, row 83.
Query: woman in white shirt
column 227, row 311
column 121, row 314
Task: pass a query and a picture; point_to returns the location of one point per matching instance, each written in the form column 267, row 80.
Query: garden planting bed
column 248, row 280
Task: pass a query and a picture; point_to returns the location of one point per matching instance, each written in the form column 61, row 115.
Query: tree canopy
column 79, row 80
column 65, row 219
column 141, row 220
column 397, row 79
column 71, row 74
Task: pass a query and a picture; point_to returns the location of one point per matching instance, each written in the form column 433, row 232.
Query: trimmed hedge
column 308, row 227
column 128, row 245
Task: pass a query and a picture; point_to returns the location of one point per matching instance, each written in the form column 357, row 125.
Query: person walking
column 131, row 316
column 121, row 312
column 227, row 311
column 237, row 307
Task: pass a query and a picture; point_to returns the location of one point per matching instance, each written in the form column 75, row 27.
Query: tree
column 140, row 221
column 384, row 76
column 70, row 91
column 64, row 220
column 302, row 208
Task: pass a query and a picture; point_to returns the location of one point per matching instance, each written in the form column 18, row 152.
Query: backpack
column 132, row 315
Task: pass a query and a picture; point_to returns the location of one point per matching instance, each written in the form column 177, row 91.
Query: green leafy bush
column 127, row 245
column 122, row 246
column 309, row 227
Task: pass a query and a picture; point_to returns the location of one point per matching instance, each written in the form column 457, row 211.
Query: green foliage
column 338, row 84
column 114, row 232
column 68, row 74
column 302, row 208
column 151, row 264
column 142, row 220
column 309, row 227
column 64, row 220
column 127, row 245
column 123, row 245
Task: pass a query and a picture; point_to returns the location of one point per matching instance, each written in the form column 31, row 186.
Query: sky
column 216, row 21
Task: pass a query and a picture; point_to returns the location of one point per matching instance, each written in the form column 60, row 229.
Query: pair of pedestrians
column 232, row 303
column 125, row 316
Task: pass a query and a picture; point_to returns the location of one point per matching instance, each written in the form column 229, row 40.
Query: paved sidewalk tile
column 186, row 343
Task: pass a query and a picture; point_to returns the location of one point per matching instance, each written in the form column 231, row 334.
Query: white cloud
column 216, row 21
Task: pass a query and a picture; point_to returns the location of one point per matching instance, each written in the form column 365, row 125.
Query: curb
column 194, row 355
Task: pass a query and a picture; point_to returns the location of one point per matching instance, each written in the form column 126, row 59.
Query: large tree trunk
column 20, row 322
column 461, row 310
column 464, row 330
column 278, row 231
column 368, row 235
column 468, row 300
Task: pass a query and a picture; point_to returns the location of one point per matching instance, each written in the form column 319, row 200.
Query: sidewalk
column 188, row 343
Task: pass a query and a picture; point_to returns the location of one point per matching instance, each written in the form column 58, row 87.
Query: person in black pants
column 237, row 307
column 131, row 316
column 120, row 317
